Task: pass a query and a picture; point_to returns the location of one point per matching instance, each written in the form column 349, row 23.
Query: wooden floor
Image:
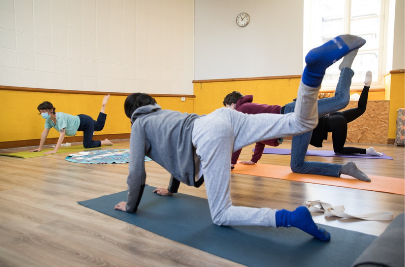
column 41, row 223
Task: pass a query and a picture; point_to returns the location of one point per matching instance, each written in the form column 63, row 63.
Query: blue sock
column 302, row 219
column 320, row 58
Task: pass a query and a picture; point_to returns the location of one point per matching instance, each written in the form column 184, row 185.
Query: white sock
column 371, row 151
column 369, row 77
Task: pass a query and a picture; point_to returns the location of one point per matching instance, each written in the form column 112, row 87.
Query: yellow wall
column 175, row 103
column 376, row 96
column 209, row 96
column 397, row 100
column 20, row 119
column 387, row 85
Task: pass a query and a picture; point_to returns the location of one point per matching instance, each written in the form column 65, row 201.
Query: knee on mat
column 87, row 145
column 218, row 220
column 296, row 168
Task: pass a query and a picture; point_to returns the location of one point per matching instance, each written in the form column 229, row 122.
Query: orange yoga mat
column 378, row 183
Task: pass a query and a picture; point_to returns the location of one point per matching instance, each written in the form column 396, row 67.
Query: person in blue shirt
column 67, row 124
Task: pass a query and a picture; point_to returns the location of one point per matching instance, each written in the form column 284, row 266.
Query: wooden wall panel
column 371, row 127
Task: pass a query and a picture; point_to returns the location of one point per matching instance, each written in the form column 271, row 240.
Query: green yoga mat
column 27, row 154
column 186, row 219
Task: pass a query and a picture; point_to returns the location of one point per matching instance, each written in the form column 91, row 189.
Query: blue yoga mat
column 186, row 219
column 104, row 156
column 321, row 153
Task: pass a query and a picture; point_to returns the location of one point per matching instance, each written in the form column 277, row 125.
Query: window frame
column 383, row 52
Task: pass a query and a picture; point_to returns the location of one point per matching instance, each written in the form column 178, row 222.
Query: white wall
column 271, row 45
column 98, row 45
column 165, row 46
column 147, row 45
column 398, row 61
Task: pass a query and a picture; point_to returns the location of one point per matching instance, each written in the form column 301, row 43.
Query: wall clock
column 243, row 19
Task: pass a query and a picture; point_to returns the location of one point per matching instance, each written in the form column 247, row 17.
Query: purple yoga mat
column 321, row 153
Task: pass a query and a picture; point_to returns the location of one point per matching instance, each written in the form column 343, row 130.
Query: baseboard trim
column 390, row 141
column 50, row 141
column 248, row 79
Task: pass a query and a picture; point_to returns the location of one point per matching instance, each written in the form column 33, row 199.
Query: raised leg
column 87, row 126
column 104, row 103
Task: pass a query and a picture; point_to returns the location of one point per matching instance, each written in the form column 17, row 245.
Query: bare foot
column 105, row 100
column 106, row 142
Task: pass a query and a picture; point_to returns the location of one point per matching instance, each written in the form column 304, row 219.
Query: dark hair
column 135, row 101
column 46, row 105
column 232, row 98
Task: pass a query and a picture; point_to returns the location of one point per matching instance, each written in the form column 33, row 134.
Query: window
column 325, row 19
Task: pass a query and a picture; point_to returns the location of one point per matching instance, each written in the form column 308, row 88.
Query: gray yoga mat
column 186, row 219
column 387, row 249
column 322, row 153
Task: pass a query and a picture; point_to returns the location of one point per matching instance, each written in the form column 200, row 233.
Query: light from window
column 329, row 18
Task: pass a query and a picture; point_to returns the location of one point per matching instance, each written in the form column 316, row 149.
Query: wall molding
column 62, row 91
column 283, row 77
column 51, row 141
column 394, row 72
column 249, row 79
column 397, row 71
column 353, row 90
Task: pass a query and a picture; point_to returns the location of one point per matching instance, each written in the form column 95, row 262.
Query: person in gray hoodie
column 189, row 145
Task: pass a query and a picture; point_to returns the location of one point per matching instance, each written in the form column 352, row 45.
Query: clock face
column 243, row 19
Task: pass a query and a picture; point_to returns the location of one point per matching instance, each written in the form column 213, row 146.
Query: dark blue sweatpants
column 88, row 126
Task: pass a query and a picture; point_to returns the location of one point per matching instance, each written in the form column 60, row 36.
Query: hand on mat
column 51, row 152
column 162, row 192
column 121, row 206
column 247, row 162
column 35, row 150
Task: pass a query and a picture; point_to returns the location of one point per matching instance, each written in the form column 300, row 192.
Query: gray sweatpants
column 224, row 131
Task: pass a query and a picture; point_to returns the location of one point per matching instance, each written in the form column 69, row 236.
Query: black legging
column 89, row 126
column 338, row 125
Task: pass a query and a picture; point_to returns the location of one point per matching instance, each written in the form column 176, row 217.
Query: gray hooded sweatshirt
column 164, row 136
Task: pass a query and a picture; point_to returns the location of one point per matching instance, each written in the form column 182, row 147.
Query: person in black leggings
column 336, row 123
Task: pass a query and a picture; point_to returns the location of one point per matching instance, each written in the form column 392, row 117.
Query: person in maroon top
column 244, row 104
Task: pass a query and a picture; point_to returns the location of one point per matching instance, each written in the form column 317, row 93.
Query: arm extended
column 44, row 135
column 59, row 143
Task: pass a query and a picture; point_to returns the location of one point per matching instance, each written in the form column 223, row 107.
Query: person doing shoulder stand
column 67, row 124
column 182, row 143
